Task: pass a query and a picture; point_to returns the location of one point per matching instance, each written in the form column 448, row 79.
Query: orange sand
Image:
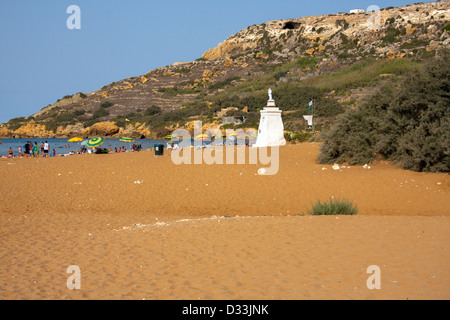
column 219, row 231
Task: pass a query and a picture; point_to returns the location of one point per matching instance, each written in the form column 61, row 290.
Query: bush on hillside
column 409, row 124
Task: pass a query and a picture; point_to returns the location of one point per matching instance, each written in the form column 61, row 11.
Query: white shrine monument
column 271, row 129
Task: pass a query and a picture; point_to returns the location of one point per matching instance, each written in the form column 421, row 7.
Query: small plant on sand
column 333, row 207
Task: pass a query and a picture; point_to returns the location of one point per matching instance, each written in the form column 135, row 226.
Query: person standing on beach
column 35, row 150
column 27, row 149
column 46, row 148
column 11, row 153
column 20, row 151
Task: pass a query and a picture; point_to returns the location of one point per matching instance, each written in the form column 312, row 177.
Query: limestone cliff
column 333, row 32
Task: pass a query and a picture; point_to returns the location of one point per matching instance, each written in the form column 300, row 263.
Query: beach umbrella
column 75, row 139
column 125, row 139
column 168, row 137
column 202, row 137
column 95, row 142
column 84, row 143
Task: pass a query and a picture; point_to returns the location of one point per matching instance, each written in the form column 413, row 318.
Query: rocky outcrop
column 102, row 129
column 32, row 129
column 229, row 45
column 5, row 133
column 70, row 131
column 136, row 131
column 337, row 33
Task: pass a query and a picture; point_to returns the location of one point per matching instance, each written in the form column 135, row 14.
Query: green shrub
column 64, row 117
column 183, row 70
column 344, row 38
column 89, row 123
column 17, row 120
column 106, row 104
column 100, row 113
column 410, row 124
column 333, row 207
column 152, row 110
column 414, row 43
column 80, row 112
column 51, row 127
column 390, row 21
column 302, row 137
column 391, row 35
column 305, row 62
column 342, row 23
column 280, row 75
column 121, row 123
column 224, row 83
column 344, row 55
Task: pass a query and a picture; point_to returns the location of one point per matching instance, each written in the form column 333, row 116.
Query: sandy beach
column 141, row 227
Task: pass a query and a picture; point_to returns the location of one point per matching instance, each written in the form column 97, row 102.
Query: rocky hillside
column 331, row 53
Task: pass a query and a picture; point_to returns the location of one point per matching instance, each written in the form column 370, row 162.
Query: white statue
column 270, row 94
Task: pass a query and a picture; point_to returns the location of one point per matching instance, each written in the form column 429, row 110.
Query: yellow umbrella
column 202, row 137
column 75, row 139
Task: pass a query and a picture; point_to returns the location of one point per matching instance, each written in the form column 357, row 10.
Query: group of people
column 32, row 150
column 134, row 147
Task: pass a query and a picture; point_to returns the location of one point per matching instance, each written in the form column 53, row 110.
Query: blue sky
column 41, row 60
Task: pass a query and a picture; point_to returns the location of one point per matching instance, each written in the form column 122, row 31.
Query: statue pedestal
column 271, row 129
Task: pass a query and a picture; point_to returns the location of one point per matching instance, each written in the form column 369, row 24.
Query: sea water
column 62, row 146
